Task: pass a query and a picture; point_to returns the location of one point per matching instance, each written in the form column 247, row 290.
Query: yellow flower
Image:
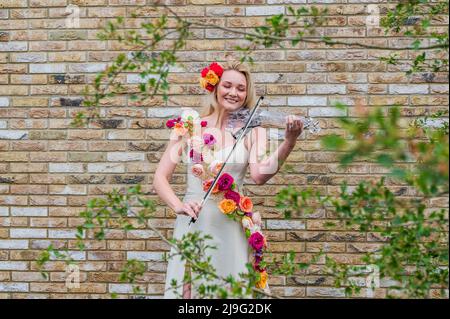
column 227, row 206
column 212, row 78
column 261, row 284
column 203, row 83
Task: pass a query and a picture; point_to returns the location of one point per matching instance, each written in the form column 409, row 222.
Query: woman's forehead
column 234, row 77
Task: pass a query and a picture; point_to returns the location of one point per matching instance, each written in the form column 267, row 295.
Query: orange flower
column 261, row 284
column 180, row 129
column 227, row 206
column 207, row 185
column 246, row 204
column 212, row 78
column 215, row 166
column 203, row 83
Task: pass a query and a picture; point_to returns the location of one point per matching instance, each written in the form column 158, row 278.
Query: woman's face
column 232, row 90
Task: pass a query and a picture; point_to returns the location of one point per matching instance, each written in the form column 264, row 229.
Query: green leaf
column 385, row 160
column 333, row 142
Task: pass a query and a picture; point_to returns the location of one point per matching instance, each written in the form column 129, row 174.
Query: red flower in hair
column 204, row 72
column 209, row 87
column 216, row 68
column 211, row 76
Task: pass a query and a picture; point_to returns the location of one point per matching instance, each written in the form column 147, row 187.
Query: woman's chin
column 231, row 107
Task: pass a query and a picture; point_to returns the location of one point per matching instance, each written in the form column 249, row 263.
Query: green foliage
column 413, row 18
column 152, row 65
column 414, row 252
column 415, row 249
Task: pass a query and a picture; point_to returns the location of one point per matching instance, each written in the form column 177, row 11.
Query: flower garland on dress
column 234, row 205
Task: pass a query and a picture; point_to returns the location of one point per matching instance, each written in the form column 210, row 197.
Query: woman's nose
column 233, row 91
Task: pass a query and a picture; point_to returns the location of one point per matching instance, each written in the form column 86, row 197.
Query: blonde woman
column 230, row 87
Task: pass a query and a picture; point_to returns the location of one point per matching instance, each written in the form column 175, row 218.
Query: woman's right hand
column 191, row 208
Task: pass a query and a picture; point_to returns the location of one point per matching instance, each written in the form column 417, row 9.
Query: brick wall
column 48, row 171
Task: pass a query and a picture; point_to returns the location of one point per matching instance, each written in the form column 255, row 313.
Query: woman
column 232, row 90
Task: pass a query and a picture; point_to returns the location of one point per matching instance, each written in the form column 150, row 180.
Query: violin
column 267, row 119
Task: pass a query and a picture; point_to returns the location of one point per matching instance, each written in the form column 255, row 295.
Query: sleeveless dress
column 232, row 249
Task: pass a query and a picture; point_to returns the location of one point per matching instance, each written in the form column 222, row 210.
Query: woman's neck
column 221, row 119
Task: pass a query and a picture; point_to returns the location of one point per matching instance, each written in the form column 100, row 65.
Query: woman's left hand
column 294, row 127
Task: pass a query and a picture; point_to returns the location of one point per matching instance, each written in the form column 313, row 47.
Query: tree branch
column 302, row 39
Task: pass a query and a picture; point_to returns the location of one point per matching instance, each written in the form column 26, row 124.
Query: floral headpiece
column 211, row 76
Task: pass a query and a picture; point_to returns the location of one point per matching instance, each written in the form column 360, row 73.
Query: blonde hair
column 211, row 104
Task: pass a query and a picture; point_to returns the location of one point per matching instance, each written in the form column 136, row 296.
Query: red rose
column 204, row 72
column 256, row 264
column 256, row 241
column 233, row 195
column 225, row 181
column 210, row 87
column 216, row 68
column 203, row 123
column 170, row 123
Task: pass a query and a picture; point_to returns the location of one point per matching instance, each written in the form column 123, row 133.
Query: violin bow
column 246, row 127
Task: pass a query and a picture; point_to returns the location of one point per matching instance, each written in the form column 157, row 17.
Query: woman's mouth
column 232, row 101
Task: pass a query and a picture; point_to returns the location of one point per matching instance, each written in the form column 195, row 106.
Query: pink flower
column 256, row 241
column 170, row 123
column 256, row 263
column 196, row 157
column 256, row 218
column 225, row 181
column 180, row 130
column 215, row 167
column 233, row 195
column 197, row 170
column 247, row 222
column 209, row 139
column 196, row 143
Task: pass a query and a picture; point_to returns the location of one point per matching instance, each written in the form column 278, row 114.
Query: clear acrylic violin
column 267, row 119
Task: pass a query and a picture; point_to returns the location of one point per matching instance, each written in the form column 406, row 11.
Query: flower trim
column 232, row 204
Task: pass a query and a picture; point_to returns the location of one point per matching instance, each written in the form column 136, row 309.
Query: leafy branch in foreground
column 414, row 239
column 117, row 212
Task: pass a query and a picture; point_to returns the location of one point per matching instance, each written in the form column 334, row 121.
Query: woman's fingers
column 189, row 211
column 293, row 123
column 289, row 121
column 195, row 207
column 298, row 125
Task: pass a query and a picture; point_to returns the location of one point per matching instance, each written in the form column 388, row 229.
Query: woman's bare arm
column 167, row 164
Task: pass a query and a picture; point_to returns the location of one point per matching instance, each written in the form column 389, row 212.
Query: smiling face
column 232, row 90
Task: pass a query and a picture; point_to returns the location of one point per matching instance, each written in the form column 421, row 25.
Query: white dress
column 233, row 251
